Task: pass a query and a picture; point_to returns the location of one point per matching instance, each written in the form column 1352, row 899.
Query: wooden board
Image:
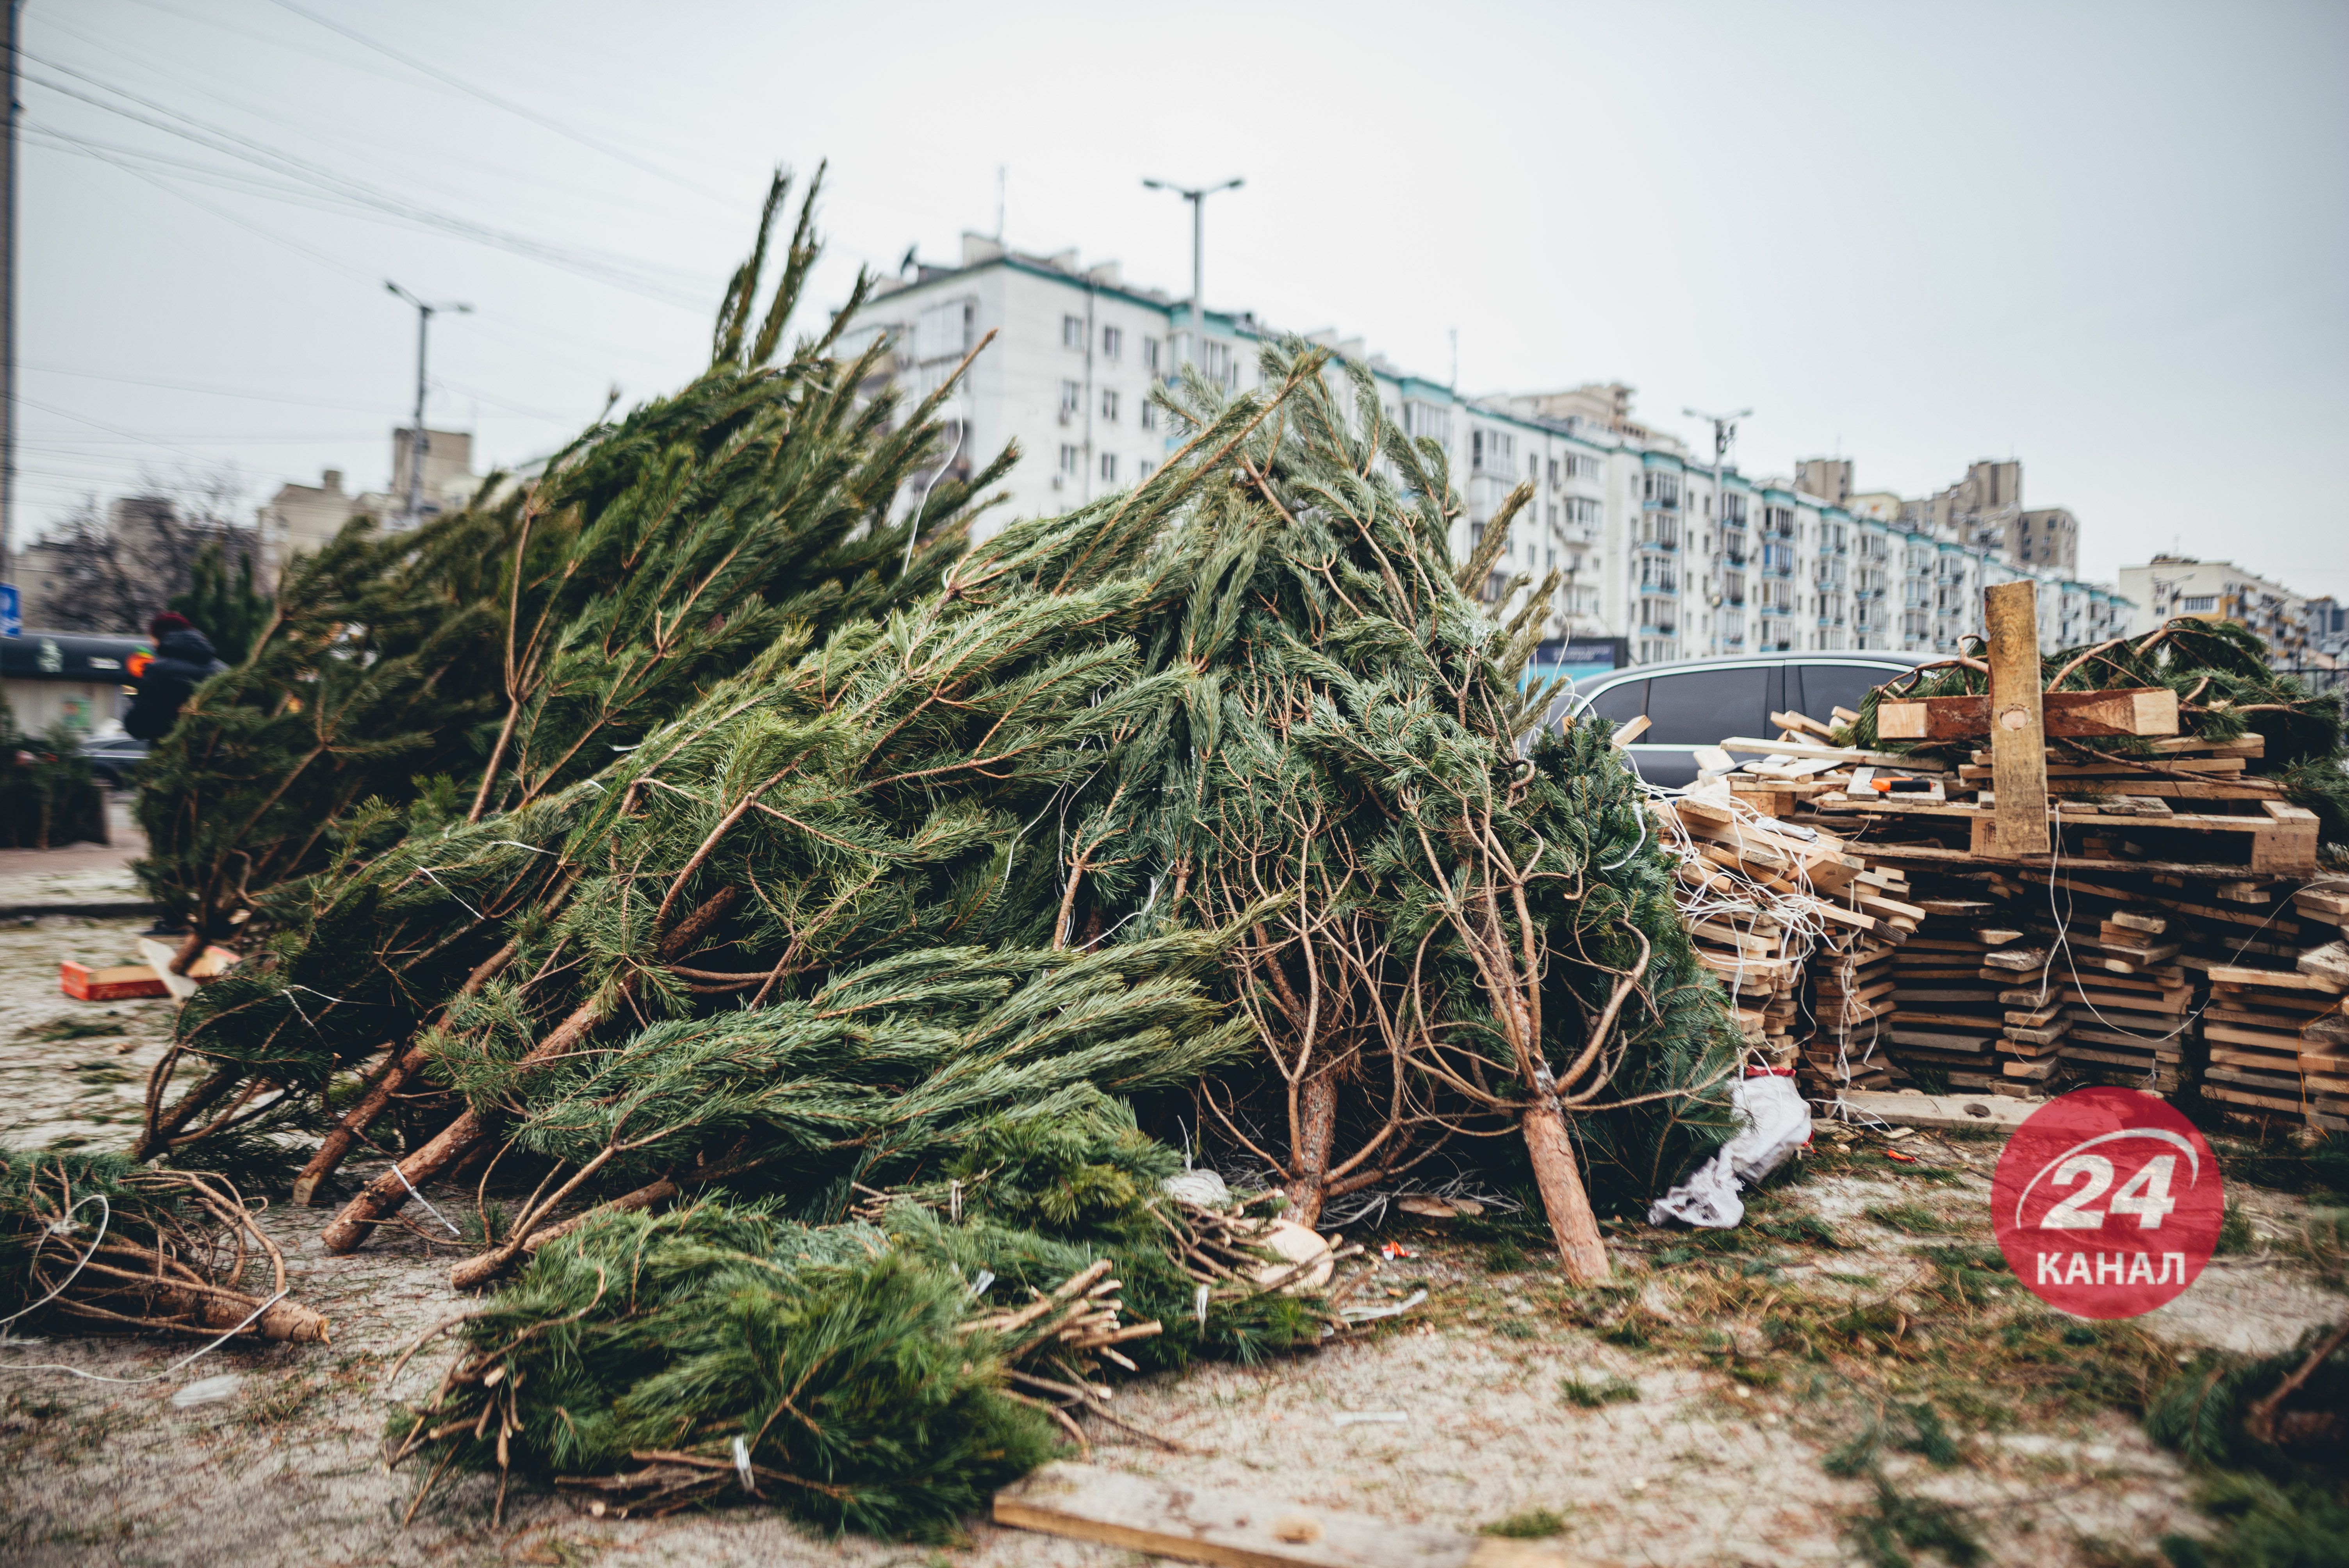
column 2018, row 732
column 1940, row 1111
column 1238, row 1530
column 2138, row 710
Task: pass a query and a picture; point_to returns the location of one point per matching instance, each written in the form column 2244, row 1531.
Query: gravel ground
column 1699, row 1468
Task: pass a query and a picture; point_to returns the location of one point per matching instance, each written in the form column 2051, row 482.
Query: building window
column 1072, row 396
column 2201, row 604
column 1552, row 471
column 1430, row 421
column 943, row 331
column 1072, row 332
column 1108, row 467
column 1215, row 362
column 1492, row 451
column 1144, row 469
column 1109, row 406
column 1146, row 416
column 1113, row 342
column 1071, row 460
column 1150, row 355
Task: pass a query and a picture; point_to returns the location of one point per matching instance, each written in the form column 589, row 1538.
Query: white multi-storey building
column 1652, row 547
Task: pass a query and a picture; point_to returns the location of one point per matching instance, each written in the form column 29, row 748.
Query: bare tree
column 108, row 569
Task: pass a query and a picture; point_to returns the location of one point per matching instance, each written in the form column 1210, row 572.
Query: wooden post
column 2017, row 734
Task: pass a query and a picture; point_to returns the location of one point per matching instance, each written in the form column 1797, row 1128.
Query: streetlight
column 1197, row 197
column 1724, row 431
column 419, row 443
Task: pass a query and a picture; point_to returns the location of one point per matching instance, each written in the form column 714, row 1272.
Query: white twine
column 423, row 1200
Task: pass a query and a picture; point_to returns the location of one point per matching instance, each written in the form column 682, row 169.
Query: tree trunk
column 168, row 1124
column 337, row 1145
column 1572, row 1225
column 389, row 1193
column 399, row 1069
column 1316, row 1136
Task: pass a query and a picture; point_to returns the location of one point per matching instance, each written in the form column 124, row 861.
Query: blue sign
column 12, row 612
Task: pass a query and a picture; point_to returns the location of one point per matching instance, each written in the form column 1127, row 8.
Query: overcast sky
column 2108, row 240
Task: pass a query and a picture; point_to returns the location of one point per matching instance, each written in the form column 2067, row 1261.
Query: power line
column 371, row 149
column 640, row 277
column 199, row 387
column 170, row 190
column 506, row 104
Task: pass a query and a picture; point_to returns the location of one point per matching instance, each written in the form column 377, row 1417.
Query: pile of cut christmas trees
column 2012, row 873
column 794, row 915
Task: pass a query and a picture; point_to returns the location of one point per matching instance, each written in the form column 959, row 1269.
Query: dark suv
column 1702, row 702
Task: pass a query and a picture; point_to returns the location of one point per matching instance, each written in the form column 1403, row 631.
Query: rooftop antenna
column 1454, row 383
column 999, row 173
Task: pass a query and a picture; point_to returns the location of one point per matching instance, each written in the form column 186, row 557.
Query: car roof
column 1870, row 657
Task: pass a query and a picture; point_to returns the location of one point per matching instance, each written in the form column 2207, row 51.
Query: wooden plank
column 2018, row 733
column 2136, row 710
column 1940, row 1111
column 1238, row 1530
column 1832, row 753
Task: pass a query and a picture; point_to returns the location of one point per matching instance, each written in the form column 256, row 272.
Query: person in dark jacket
column 184, row 661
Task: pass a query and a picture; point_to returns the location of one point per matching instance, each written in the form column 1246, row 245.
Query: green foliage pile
column 832, row 1351
column 2226, row 690
column 48, row 797
column 815, row 923
column 515, row 646
column 2277, row 1498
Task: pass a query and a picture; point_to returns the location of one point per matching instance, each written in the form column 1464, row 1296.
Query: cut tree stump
column 1238, row 1530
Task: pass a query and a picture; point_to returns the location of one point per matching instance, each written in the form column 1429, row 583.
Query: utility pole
column 1724, row 433
column 419, row 443
column 13, row 609
column 1198, row 199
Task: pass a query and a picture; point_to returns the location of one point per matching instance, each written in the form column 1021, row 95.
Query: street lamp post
column 419, row 443
column 1724, row 432
column 1197, row 197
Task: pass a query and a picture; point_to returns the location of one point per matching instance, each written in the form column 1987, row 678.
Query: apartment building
column 1651, row 546
column 2172, row 585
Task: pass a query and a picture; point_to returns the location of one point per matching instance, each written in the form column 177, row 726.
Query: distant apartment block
column 2173, row 585
column 1648, row 547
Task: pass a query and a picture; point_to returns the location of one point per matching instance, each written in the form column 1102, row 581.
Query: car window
column 1827, row 688
column 1704, row 707
column 1621, row 704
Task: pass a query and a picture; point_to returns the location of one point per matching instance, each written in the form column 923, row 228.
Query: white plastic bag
column 1776, row 1121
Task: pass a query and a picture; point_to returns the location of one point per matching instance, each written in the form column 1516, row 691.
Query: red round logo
column 2106, row 1203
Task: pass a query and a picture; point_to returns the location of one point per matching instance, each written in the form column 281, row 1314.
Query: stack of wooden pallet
column 1759, row 893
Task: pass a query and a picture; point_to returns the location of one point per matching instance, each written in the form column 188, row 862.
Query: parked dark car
column 111, row 760
column 1702, row 702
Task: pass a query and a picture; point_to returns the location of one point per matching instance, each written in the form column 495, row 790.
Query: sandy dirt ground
column 1700, row 1452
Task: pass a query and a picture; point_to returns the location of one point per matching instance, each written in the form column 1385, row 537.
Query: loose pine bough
column 884, row 1373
